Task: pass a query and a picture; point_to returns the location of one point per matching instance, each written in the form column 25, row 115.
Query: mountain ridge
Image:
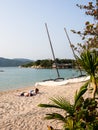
column 6, row 62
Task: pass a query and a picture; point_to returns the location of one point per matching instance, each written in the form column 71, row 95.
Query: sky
column 23, row 33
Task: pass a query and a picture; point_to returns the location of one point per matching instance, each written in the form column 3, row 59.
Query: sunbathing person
column 36, row 90
column 30, row 93
column 22, row 94
column 33, row 92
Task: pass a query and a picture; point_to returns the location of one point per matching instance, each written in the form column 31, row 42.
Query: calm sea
column 14, row 77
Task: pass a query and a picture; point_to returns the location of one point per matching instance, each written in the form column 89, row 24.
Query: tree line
column 47, row 63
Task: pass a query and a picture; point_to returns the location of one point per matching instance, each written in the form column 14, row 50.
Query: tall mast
column 52, row 50
column 72, row 50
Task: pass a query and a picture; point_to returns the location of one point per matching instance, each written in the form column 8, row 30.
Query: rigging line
column 72, row 50
column 52, row 50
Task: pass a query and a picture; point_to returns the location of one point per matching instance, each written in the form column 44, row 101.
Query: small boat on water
column 1, row 70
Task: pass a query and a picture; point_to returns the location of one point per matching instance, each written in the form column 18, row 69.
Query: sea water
column 15, row 77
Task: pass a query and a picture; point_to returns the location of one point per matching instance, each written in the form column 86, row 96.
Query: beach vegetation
column 81, row 115
column 89, row 62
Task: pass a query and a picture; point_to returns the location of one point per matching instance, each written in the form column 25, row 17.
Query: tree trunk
column 94, row 85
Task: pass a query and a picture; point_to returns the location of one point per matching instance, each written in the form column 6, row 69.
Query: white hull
column 64, row 82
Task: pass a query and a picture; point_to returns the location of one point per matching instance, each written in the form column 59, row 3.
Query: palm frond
column 60, row 103
column 82, row 90
column 69, row 125
column 55, row 116
column 48, row 105
column 89, row 61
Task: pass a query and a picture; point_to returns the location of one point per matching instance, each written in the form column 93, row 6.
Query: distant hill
column 4, row 62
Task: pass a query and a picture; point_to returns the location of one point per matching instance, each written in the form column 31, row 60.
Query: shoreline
column 23, row 113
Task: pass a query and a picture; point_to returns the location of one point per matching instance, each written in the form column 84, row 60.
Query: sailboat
column 58, row 75
column 60, row 81
column 63, row 82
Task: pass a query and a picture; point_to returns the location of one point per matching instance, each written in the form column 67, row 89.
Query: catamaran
column 61, row 81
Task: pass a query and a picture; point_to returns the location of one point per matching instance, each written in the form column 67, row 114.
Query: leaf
column 63, row 104
column 55, row 116
column 82, row 90
column 87, row 23
column 60, row 103
column 48, row 105
column 73, row 31
column 69, row 125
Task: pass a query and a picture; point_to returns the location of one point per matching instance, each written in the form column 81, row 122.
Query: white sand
column 23, row 113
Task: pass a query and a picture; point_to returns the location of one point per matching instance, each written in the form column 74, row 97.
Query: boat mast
column 72, row 50
column 52, row 50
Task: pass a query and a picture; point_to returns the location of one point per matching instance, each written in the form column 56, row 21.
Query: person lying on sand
column 33, row 92
column 30, row 93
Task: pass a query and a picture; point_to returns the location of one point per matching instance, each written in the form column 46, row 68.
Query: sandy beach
column 23, row 113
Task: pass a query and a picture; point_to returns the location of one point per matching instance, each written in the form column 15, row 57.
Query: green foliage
column 55, row 116
column 59, row 103
column 82, row 115
column 47, row 63
column 63, row 104
column 89, row 61
column 64, row 61
column 82, row 90
column 37, row 63
column 28, row 64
